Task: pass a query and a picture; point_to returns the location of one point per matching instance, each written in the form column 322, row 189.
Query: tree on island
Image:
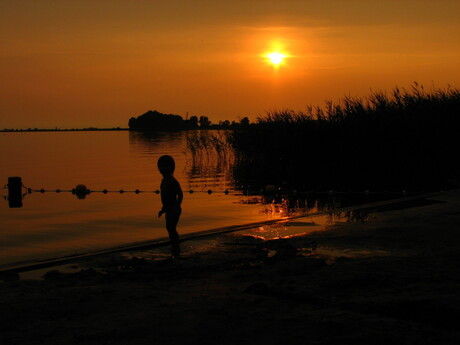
column 156, row 121
column 204, row 122
column 193, row 122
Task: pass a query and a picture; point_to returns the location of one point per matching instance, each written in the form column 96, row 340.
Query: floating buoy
column 14, row 192
column 81, row 191
column 226, row 192
column 209, row 191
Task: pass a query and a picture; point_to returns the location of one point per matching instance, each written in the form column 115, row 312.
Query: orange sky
column 98, row 62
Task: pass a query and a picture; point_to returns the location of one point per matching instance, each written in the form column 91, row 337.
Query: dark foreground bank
column 393, row 279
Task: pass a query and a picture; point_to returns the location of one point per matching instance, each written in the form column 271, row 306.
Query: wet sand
column 392, row 279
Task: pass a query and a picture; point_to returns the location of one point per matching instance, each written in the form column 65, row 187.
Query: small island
column 156, row 121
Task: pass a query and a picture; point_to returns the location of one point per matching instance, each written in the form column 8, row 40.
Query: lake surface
column 53, row 224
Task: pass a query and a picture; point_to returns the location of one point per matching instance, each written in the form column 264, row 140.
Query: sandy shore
column 392, row 279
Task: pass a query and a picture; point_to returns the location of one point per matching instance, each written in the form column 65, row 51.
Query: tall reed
column 211, row 154
column 404, row 139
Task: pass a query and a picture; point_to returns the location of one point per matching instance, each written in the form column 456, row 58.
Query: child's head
column 166, row 165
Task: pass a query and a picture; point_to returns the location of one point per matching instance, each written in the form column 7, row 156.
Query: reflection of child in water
column 171, row 198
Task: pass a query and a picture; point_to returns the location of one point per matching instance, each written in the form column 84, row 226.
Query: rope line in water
column 83, row 189
column 210, row 191
column 120, row 191
column 17, row 191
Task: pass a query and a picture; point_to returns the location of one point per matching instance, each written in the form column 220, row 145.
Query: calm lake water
column 52, row 224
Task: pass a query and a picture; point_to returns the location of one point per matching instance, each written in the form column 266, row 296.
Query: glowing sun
column 275, row 58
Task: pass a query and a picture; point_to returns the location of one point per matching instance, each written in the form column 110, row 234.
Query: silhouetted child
column 171, row 198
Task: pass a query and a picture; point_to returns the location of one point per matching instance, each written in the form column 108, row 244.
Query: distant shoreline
column 90, row 129
column 7, row 130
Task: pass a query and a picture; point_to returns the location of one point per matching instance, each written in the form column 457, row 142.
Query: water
column 52, row 225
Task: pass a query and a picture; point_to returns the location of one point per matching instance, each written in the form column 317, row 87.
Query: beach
column 391, row 277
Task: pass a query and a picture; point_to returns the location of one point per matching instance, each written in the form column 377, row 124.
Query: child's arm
column 180, row 194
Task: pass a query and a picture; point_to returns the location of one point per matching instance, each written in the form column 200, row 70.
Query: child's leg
column 172, row 218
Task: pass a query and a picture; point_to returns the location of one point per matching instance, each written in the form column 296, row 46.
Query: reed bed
column 405, row 139
column 211, row 154
column 206, row 145
column 402, row 140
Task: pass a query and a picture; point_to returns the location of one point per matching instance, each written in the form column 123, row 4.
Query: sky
column 83, row 63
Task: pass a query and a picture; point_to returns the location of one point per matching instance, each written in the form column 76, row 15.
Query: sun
column 276, row 58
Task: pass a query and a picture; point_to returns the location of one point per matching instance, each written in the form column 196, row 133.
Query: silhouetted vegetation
column 156, row 121
column 405, row 140
column 211, row 158
column 203, row 145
